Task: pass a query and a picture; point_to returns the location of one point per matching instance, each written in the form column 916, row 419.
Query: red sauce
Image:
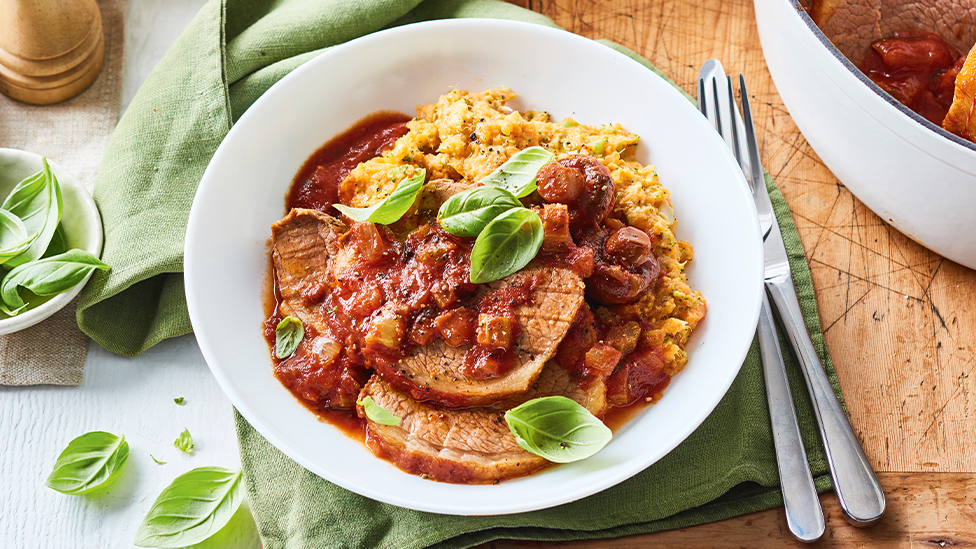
column 316, row 186
column 918, row 69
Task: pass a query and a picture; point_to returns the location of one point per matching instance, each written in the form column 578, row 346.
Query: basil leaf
column 14, row 239
column 88, row 462
column 557, row 428
column 517, row 174
column 391, row 208
column 37, row 202
column 192, row 508
column 48, row 276
column 288, row 334
column 506, row 245
column 184, row 442
column 467, row 212
column 377, row 413
column 58, row 244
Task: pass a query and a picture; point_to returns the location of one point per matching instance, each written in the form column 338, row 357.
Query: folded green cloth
column 230, row 54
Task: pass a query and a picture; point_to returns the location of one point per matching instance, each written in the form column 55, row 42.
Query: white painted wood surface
column 130, row 396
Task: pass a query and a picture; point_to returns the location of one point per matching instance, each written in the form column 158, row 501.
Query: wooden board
column 899, row 320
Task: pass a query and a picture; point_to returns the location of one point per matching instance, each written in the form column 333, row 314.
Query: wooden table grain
column 899, row 320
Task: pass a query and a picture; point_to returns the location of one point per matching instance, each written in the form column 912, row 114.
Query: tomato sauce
column 918, row 69
column 316, row 186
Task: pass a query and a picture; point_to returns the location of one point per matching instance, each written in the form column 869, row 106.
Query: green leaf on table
column 557, row 428
column 506, row 245
column 89, row 461
column 37, row 202
column 390, row 209
column 468, row 212
column 184, row 442
column 14, row 239
column 288, row 334
column 377, row 413
column 178, row 400
column 517, row 174
column 48, row 276
column 195, row 506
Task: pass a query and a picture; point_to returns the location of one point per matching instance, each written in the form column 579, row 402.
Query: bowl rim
column 93, row 245
column 801, row 12
column 238, row 397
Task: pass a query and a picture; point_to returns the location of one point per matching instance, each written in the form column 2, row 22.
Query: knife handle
column 858, row 492
column 804, row 516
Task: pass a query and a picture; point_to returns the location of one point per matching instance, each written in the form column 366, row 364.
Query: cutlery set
column 858, row 492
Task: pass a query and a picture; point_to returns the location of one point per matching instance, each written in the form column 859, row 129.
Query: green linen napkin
column 229, row 55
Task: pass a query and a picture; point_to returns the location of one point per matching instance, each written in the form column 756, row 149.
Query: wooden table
column 899, row 320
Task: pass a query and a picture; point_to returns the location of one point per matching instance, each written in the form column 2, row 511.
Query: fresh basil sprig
column 467, row 213
column 288, row 334
column 14, row 239
column 377, row 413
column 89, row 461
column 195, row 506
column 48, row 276
column 390, row 209
column 37, row 202
column 184, row 442
column 506, row 245
column 557, row 428
column 517, row 174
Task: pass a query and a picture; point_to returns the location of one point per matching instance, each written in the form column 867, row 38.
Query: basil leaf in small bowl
column 14, row 239
column 377, row 413
column 393, row 207
column 288, row 334
column 506, row 245
column 195, row 506
column 517, row 174
column 88, row 462
column 468, row 212
column 557, row 428
column 38, row 203
column 48, row 276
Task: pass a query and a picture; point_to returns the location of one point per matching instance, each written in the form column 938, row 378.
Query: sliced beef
column 322, row 371
column 852, row 25
column 434, row 372
column 304, row 243
column 472, row 445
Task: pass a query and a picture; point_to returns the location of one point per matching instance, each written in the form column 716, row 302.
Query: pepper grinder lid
column 50, row 50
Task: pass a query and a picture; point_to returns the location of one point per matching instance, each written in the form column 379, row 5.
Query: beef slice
column 471, row 445
column 852, row 25
column 433, row 372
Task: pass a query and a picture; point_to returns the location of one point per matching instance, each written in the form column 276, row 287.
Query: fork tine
column 702, row 100
column 736, row 146
column 718, row 109
column 751, row 142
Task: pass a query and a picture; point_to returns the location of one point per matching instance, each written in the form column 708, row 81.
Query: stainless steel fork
column 804, row 516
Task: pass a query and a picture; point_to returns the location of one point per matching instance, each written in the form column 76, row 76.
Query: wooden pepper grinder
column 50, row 50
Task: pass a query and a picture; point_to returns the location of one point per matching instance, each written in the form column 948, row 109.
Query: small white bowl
column 913, row 174
column 80, row 220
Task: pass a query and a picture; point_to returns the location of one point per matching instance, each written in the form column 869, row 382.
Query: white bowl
column 242, row 194
column 910, row 172
column 79, row 218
